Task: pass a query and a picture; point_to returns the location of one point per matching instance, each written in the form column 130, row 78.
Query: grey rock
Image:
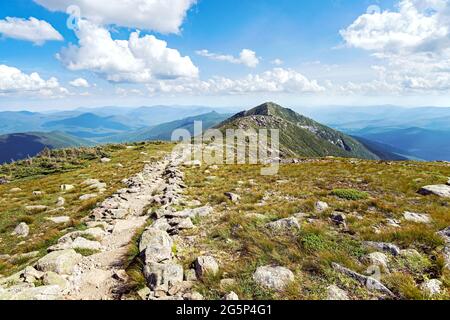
column 59, row 220
column 67, row 187
column 377, row 259
column 441, row 190
column 22, row 230
column 321, row 206
column 32, row 293
column 232, row 196
column 369, row 282
column 336, row 293
column 157, row 245
column 36, row 209
column 275, row 278
column 60, row 262
column 51, row 278
column 388, row 247
column 14, row 190
column 232, row 296
column 161, row 276
column 287, row 224
column 431, row 287
column 87, row 196
column 60, row 202
column 417, row 217
column 161, row 224
column 144, row 293
column 205, row 265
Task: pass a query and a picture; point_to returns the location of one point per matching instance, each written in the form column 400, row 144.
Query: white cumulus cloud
column 246, row 57
column 79, row 83
column 165, row 16
column 34, row 30
column 136, row 60
column 277, row 80
column 15, row 82
column 411, row 43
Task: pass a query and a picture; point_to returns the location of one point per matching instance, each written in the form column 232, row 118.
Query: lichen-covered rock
column 275, row 278
column 431, row 287
column 321, row 206
column 51, row 278
column 22, row 230
column 440, row 190
column 232, row 296
column 60, row 262
column 377, row 259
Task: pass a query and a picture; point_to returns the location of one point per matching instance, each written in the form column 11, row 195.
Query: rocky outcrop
column 417, row 217
column 440, row 190
column 60, row 262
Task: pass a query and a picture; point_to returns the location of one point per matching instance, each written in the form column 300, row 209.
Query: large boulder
column 274, row 278
column 162, row 276
column 206, row 265
column 60, row 262
column 440, row 190
column 157, row 245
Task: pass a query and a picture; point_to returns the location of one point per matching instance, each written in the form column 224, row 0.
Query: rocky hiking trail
column 111, row 227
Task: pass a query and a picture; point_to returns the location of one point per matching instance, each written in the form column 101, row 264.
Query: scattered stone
column 287, row 224
column 205, row 265
column 105, row 160
column 51, row 278
column 227, row 283
column 233, row 197
column 339, row 218
column 60, row 202
column 442, row 190
column 369, row 282
column 59, row 220
column 321, row 206
column 22, row 230
column 37, row 193
column 417, row 217
column 30, row 274
column 13, row 190
column 157, row 245
column 4, row 181
column 393, row 223
column 275, row 278
column 410, row 253
column 232, row 296
column 193, row 163
column 67, row 187
column 85, row 244
column 60, row 262
column 194, row 296
column 161, row 276
column 36, row 209
column 378, row 259
column 431, row 287
column 88, row 197
column 388, row 247
column 336, row 293
column 190, row 275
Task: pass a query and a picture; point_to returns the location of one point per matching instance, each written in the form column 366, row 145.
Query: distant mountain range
column 387, row 132
column 17, row 146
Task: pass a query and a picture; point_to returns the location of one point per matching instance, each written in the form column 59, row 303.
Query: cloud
column 165, row 16
column 137, row 60
column 277, row 62
column 34, row 30
column 412, row 45
column 277, row 80
column 246, row 57
column 80, row 83
column 14, row 81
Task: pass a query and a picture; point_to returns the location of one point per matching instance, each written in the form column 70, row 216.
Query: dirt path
column 100, row 276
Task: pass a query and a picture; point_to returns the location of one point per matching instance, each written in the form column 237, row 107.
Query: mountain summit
column 299, row 135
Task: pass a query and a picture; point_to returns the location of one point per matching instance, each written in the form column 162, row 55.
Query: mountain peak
column 265, row 109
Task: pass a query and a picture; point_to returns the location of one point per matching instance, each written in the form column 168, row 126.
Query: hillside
column 19, row 146
column 316, row 230
column 164, row 131
column 299, row 136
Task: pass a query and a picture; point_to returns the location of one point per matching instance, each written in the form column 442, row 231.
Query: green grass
column 350, row 194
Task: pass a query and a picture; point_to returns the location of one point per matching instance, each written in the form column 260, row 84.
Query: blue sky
column 348, row 52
